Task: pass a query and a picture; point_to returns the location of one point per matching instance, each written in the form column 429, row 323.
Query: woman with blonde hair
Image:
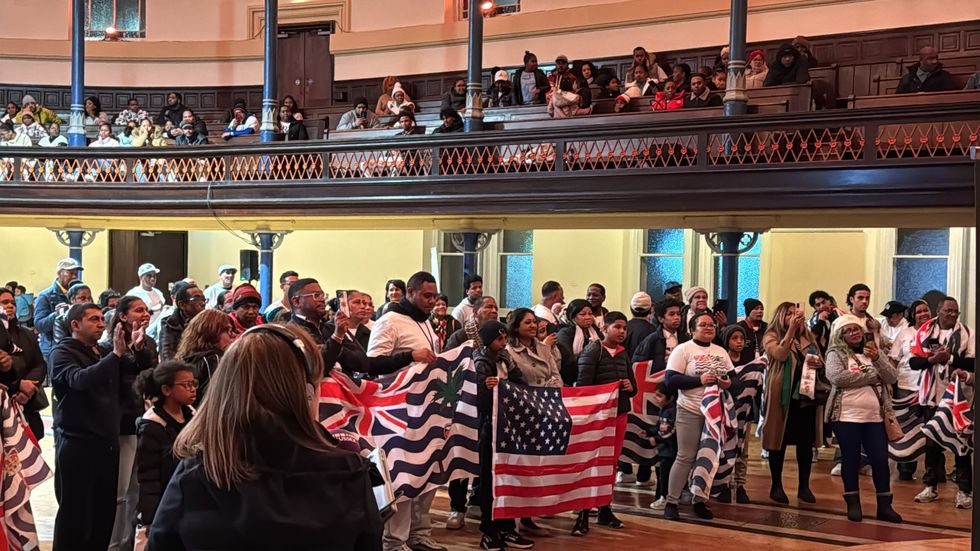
column 258, row 471
column 202, row 344
column 790, row 415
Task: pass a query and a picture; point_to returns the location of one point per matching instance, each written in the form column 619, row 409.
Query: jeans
column 688, row 427
column 663, row 475
column 871, row 437
column 127, row 494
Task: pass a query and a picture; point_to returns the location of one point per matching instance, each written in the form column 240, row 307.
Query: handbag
column 893, row 429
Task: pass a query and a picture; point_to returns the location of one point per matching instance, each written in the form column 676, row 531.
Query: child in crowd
column 666, row 440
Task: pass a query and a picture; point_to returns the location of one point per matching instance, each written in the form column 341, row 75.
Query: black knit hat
column 751, row 304
column 490, row 330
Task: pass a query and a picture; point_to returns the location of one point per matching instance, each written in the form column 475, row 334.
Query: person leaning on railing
column 10, row 138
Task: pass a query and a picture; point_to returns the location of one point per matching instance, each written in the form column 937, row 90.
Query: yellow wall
column 576, row 258
column 338, row 259
column 795, row 263
column 32, row 254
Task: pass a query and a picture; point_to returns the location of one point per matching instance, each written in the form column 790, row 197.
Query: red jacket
column 661, row 103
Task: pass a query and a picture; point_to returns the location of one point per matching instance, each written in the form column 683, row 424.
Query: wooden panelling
column 58, row 98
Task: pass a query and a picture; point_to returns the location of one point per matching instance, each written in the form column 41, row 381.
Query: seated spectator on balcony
column 608, row 86
column 721, row 62
column 974, row 82
column 242, row 123
column 10, row 112
column 359, row 117
column 42, row 115
column 290, row 128
column 31, row 127
column 643, row 83
column 200, row 127
column 562, row 72
column 387, row 87
column 755, row 73
column 719, row 80
column 455, row 97
column 802, row 45
column 105, row 138
column 53, row 137
column 667, row 100
column 94, row 115
column 681, row 75
column 11, row 138
column 132, row 113
column 451, row 122
column 148, row 134
column 406, row 121
column 927, row 75
column 190, row 134
column 290, row 101
column 587, row 73
column 400, row 101
column 647, row 60
column 707, row 73
column 565, row 103
column 126, row 136
column 787, row 68
column 500, row 93
column 700, row 95
column 530, row 83
column 623, row 100
column 172, row 112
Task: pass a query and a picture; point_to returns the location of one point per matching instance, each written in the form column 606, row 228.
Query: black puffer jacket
column 486, row 363
column 596, row 366
column 171, row 330
column 135, row 362
column 155, row 459
column 938, row 80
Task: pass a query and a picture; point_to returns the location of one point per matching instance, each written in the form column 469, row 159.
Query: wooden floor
column 761, row 525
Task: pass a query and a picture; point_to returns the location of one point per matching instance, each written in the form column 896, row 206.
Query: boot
column 724, row 495
column 853, row 500
column 776, row 492
column 885, row 511
column 806, row 495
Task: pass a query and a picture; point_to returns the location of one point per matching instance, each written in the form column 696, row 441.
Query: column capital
column 723, row 242
column 275, row 239
column 81, row 237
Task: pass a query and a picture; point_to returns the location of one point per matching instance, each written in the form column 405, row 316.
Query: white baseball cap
column 69, row 264
column 227, row 268
column 147, row 269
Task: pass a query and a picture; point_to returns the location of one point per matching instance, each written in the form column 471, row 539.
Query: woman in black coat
column 541, row 86
column 787, row 68
column 574, row 337
column 27, row 370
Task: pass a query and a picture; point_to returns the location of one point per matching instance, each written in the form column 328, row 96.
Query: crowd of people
column 142, row 380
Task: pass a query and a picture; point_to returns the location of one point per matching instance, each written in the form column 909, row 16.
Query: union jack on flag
column 952, row 425
column 424, row 417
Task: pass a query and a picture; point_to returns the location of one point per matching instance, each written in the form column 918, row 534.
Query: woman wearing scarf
column 756, row 72
column 905, row 400
column 691, row 367
column 790, row 417
column 787, row 68
column 444, row 324
column 860, row 374
column 572, row 338
column 941, row 346
column 400, row 101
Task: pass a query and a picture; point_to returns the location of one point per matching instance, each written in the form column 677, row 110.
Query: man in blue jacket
column 53, row 301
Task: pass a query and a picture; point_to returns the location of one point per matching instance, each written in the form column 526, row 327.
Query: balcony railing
column 885, row 138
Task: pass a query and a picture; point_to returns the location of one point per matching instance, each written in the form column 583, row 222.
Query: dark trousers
column 804, row 463
column 643, row 472
column 86, row 474
column 489, row 526
column 663, row 475
column 870, row 437
column 457, row 494
column 935, row 468
column 34, row 421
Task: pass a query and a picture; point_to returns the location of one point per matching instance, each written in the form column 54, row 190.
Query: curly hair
column 202, row 333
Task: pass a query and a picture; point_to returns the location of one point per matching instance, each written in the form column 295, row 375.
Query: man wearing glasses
column 189, row 299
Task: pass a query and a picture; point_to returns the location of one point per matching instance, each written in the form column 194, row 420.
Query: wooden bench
column 793, row 97
column 923, row 98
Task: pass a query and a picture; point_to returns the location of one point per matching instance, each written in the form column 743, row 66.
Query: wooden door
column 304, row 66
column 290, row 72
column 130, row 249
column 318, row 69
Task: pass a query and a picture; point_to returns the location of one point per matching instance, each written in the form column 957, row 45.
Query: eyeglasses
column 851, row 330
column 316, row 296
column 705, row 325
column 195, row 299
column 188, row 385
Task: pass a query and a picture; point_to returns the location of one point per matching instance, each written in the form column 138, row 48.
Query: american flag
column 424, row 417
column 554, row 448
column 952, row 425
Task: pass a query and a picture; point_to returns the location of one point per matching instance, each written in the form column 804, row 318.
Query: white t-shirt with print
column 692, row 359
column 859, row 405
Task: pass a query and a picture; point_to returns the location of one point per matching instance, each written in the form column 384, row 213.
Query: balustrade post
column 76, row 127
column 870, row 149
column 435, row 168
column 560, row 147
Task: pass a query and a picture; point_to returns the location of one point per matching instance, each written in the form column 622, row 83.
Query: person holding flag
column 942, row 346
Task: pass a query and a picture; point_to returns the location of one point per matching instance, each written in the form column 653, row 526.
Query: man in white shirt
column 226, row 273
column 551, row 295
column 152, row 296
column 474, row 290
column 405, row 327
column 892, row 321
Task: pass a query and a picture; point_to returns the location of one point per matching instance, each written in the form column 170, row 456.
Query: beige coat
column 540, row 367
column 775, row 415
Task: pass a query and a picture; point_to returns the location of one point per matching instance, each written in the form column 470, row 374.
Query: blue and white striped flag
column 952, row 425
column 424, row 417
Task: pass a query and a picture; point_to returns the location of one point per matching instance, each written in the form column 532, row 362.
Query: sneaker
column 426, row 544
column 686, row 497
column 646, row 483
column 455, row 521
column 964, row 500
column 671, row 512
column 836, row 470
column 528, row 526
column 516, row 541
column 764, row 455
column 659, row 504
column 607, row 518
column 493, row 543
column 928, row 494
column 702, row 511
column 625, row 478
column 581, row 527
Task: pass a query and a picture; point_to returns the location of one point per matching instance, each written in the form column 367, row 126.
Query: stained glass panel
column 748, row 279
column 515, row 274
column 518, row 241
column 655, row 271
column 922, row 242
column 914, row 277
column 665, row 242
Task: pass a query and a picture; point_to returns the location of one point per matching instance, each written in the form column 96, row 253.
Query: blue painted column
column 76, row 127
column 473, row 116
column 266, row 242
column 736, row 100
column 75, row 238
column 270, row 104
column 730, row 242
column 470, row 241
